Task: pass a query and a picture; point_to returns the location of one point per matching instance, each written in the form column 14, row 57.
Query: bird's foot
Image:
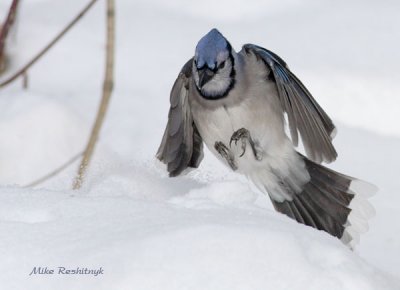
column 244, row 135
column 226, row 154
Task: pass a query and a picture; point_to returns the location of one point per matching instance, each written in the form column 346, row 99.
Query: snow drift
column 209, row 229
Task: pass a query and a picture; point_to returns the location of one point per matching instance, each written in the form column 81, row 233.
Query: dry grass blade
column 24, row 69
column 54, row 172
column 106, row 95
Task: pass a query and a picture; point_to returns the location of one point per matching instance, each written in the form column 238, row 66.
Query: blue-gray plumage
column 236, row 104
column 211, row 50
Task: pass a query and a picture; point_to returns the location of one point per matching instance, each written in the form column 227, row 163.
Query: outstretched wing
column 304, row 114
column 182, row 145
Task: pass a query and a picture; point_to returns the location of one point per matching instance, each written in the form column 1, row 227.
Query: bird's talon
column 226, row 154
column 244, row 135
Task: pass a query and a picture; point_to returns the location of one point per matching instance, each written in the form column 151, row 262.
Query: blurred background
column 345, row 52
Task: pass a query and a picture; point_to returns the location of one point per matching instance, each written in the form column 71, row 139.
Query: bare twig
column 5, row 28
column 55, row 171
column 25, row 81
column 106, row 95
column 50, row 45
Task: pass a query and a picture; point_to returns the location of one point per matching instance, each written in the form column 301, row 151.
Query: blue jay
column 236, row 104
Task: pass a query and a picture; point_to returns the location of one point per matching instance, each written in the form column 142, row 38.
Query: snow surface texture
column 209, row 229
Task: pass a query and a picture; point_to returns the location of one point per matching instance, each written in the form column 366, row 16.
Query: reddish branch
column 5, row 28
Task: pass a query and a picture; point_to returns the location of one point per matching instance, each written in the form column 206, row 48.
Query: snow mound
column 198, row 236
column 206, row 230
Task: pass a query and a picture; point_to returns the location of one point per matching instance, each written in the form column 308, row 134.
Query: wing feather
column 181, row 145
column 305, row 115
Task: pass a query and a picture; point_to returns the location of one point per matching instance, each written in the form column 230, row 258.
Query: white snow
column 209, row 229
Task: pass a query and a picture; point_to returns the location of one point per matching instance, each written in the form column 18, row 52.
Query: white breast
column 256, row 112
column 252, row 104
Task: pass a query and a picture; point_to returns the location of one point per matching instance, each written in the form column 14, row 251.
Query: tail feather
column 297, row 214
column 332, row 202
column 361, row 212
column 321, row 218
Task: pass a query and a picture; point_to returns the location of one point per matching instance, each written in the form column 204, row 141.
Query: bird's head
column 213, row 66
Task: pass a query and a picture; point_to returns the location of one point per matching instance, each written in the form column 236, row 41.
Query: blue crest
column 212, row 49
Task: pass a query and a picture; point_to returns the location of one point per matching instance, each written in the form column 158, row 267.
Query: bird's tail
column 332, row 202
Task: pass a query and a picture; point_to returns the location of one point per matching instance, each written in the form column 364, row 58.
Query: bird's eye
column 222, row 65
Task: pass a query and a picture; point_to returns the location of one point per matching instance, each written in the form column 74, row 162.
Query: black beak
column 205, row 75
